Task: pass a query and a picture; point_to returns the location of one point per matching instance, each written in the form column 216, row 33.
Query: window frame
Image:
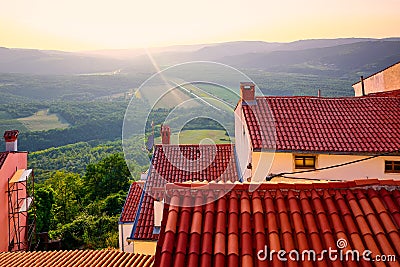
column 304, row 166
column 392, row 163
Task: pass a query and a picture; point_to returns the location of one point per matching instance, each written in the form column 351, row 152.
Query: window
column 392, row 166
column 304, row 162
column 156, row 230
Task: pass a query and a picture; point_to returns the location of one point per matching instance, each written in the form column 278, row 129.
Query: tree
column 44, row 200
column 88, row 231
column 106, row 177
column 72, row 234
column 84, row 211
column 112, row 205
column 68, row 194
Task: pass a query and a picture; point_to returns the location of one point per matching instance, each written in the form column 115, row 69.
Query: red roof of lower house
column 132, row 202
column 358, row 215
column 3, row 156
column 181, row 163
column 315, row 124
column 75, row 258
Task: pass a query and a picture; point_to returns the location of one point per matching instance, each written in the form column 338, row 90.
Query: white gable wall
column 242, row 143
column 125, row 230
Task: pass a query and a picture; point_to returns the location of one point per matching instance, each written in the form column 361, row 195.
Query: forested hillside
column 75, row 157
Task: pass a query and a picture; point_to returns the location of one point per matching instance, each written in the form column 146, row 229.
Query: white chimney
column 11, row 138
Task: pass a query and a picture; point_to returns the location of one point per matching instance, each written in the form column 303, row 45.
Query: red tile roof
column 3, row 156
column 177, row 163
column 392, row 93
column 343, row 125
column 132, row 202
column 231, row 230
column 75, row 258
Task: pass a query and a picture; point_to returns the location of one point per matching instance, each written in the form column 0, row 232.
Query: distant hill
column 54, row 62
column 342, row 57
column 321, row 43
column 332, row 57
column 341, row 60
column 219, row 51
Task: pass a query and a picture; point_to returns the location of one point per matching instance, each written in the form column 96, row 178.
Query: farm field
column 43, row 121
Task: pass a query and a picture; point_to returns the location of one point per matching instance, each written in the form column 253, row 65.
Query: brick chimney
column 247, row 92
column 165, row 134
column 11, row 138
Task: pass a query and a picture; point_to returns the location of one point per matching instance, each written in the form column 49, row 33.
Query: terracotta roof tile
column 75, row 258
column 206, row 250
column 393, row 208
column 197, row 220
column 393, row 93
column 396, row 196
column 283, row 219
column 233, row 224
column 175, row 163
column 343, row 125
column 131, row 203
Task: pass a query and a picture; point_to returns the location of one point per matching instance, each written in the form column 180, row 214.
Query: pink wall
column 14, row 160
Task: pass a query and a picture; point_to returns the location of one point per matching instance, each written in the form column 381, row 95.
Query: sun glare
column 80, row 25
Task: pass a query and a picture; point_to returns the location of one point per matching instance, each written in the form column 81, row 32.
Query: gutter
column 237, row 163
column 389, row 153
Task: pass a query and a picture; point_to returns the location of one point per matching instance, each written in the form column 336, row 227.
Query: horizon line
column 193, row 44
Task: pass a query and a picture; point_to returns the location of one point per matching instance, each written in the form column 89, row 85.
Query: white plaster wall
column 372, row 84
column 284, row 162
column 386, row 80
column 124, row 232
column 262, row 163
column 242, row 143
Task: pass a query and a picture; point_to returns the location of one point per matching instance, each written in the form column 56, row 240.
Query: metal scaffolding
column 21, row 211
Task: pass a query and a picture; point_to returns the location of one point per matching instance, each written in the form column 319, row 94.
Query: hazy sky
column 98, row 24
